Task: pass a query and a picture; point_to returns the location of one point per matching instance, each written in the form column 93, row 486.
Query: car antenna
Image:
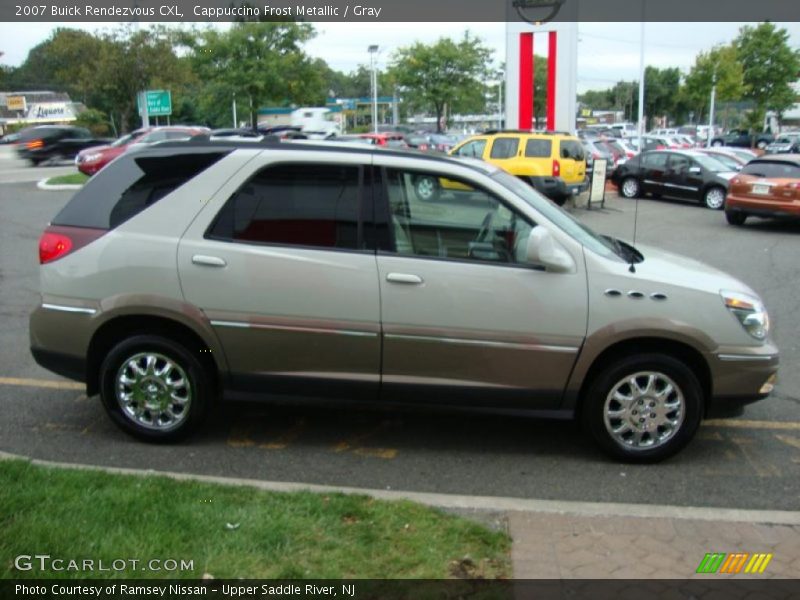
column 631, row 266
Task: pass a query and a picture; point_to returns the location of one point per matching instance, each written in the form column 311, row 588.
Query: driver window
column 457, row 222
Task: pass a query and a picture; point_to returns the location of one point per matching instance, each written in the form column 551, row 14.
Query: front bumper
column 741, row 375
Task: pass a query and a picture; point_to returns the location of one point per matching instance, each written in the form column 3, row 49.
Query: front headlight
column 749, row 311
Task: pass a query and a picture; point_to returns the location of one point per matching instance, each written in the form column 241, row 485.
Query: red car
column 394, row 140
column 91, row 160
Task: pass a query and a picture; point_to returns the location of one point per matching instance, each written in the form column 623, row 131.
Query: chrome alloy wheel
column 630, row 188
column 426, row 188
column 715, row 198
column 644, row 410
column 153, row 391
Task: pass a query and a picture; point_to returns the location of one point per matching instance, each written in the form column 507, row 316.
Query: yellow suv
column 552, row 162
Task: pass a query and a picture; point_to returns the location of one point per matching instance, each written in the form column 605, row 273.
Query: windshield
column 712, row 163
column 559, row 217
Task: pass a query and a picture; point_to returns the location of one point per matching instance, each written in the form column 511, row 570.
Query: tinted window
column 772, row 169
column 538, row 148
column 465, row 224
column 504, row 148
column 296, row 204
column 678, row 163
column 472, row 149
column 129, row 185
column 572, row 149
column 655, row 160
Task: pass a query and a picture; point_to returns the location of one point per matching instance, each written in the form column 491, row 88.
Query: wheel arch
column 648, row 345
column 123, row 326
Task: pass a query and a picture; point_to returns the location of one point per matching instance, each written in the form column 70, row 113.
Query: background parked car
column 733, row 161
column 682, row 174
column 743, row 139
column 90, row 161
column 766, row 187
column 54, row 142
column 594, row 150
column 785, row 143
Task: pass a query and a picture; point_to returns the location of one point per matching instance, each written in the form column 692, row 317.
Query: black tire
column 735, row 217
column 717, row 143
column 630, row 188
column 36, row 161
column 199, row 387
column 669, row 370
column 427, row 188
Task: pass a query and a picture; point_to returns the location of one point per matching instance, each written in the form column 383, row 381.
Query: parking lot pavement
column 751, row 462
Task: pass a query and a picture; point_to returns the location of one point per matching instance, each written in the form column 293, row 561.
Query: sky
column 607, row 52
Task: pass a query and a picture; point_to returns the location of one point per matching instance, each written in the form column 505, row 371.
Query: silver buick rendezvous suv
column 197, row 271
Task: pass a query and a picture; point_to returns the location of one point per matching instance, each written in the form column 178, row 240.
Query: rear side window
column 294, row 204
column 129, row 185
column 772, row 169
column 572, row 149
column 655, row 160
column 538, row 148
column 504, row 148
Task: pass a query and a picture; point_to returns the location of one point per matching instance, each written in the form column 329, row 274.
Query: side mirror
column 545, row 250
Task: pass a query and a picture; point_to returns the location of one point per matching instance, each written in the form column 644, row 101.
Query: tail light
column 660, row 147
column 556, row 168
column 34, row 144
column 423, row 147
column 57, row 241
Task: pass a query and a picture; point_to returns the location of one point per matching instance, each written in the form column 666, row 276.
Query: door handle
column 208, row 261
column 404, row 278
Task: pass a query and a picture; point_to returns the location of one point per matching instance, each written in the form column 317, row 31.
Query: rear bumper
column 556, row 188
column 762, row 208
column 66, row 365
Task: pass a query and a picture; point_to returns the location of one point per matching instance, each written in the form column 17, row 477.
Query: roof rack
column 537, row 131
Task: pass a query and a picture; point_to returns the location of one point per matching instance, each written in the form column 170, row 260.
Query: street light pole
column 372, row 50
column 711, row 110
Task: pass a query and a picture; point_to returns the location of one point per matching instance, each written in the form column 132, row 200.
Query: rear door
column 505, row 152
column 280, row 263
column 679, row 182
column 653, row 169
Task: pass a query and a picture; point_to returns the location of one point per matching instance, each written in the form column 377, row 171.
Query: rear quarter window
column 131, row 184
column 538, row 148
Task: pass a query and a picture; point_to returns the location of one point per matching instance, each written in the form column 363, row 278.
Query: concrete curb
column 43, row 185
column 488, row 503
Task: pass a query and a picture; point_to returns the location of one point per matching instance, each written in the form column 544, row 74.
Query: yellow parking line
column 747, row 424
column 42, row 383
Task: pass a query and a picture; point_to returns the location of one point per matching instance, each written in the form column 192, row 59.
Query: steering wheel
column 486, row 227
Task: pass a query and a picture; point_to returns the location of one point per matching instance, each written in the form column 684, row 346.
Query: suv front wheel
column 154, row 388
column 643, row 408
column 426, row 188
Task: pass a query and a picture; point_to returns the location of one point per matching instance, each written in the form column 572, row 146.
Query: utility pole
column 235, row 120
column 372, row 49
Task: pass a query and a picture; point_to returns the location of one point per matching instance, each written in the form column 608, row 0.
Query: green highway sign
column 159, row 103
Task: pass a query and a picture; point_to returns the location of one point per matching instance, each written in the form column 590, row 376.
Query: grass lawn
column 72, row 178
column 231, row 532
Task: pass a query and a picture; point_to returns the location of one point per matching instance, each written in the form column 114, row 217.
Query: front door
column 464, row 317
column 679, row 182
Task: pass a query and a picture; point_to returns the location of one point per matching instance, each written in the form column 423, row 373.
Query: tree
column 719, row 65
column 135, row 60
column 260, row 62
column 442, row 74
column 769, row 66
column 660, row 91
column 65, row 62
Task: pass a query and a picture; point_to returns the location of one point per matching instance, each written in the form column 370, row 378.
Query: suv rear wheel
column 154, row 388
column 643, row 408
